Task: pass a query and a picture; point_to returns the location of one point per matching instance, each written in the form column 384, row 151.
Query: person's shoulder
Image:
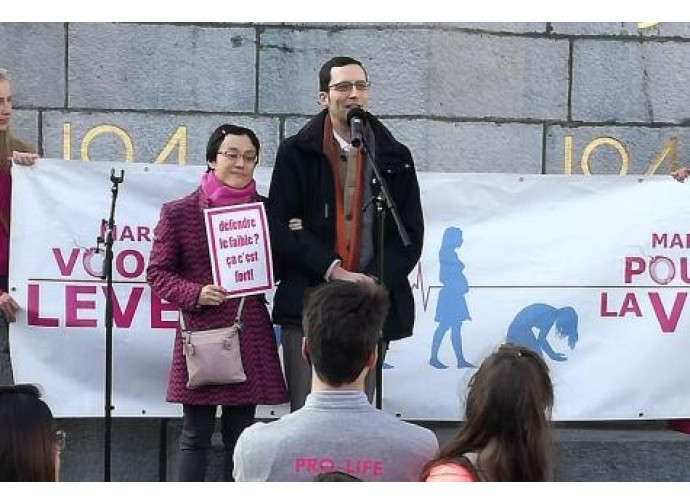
column 425, row 436
column 257, row 427
column 267, row 431
column 411, row 432
column 183, row 202
column 258, row 434
column 308, row 137
column 387, row 146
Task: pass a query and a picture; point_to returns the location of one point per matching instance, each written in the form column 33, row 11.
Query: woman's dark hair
column 217, row 137
column 507, row 418
column 27, row 435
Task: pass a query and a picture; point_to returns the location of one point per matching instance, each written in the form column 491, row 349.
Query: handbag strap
column 469, row 460
column 238, row 317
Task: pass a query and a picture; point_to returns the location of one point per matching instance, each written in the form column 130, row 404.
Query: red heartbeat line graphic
column 418, row 283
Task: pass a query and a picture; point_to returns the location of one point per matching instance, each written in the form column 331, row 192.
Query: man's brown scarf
column 348, row 199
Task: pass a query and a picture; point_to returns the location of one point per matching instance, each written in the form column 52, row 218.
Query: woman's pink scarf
column 219, row 194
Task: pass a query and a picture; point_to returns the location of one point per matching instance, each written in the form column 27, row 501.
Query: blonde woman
column 12, row 151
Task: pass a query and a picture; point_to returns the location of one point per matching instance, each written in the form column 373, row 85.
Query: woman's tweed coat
column 178, row 268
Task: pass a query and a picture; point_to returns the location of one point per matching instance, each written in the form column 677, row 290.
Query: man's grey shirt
column 334, row 431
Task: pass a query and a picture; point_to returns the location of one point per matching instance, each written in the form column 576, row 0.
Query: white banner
column 591, row 271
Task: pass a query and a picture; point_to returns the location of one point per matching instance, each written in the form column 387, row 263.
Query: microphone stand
column 384, row 203
column 107, row 275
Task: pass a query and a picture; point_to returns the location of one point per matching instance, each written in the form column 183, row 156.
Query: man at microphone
column 322, row 219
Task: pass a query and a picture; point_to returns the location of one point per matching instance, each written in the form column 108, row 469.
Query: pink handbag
column 213, row 356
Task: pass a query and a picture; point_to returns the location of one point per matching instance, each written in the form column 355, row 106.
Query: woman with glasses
column 30, row 446
column 179, row 271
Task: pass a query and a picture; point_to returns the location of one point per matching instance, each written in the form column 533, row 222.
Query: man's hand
column 8, row 307
column 340, row 273
column 24, row 158
column 681, row 174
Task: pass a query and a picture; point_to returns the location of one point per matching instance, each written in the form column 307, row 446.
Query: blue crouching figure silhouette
column 451, row 308
column 541, row 317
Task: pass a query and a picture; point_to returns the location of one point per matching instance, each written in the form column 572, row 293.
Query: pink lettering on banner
column 129, row 263
column 139, row 263
column 630, row 305
column 659, row 269
column 633, row 266
column 80, row 298
column 668, row 323
column 128, row 233
column 33, row 309
column 67, row 268
column 120, row 318
column 73, row 304
column 158, row 306
column 603, row 306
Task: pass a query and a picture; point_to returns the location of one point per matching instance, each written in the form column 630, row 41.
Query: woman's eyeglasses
column 234, row 156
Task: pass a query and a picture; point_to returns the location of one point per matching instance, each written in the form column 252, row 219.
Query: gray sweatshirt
column 334, row 431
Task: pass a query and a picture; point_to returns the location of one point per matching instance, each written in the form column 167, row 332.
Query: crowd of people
column 335, row 307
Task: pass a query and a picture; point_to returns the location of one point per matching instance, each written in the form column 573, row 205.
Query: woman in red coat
column 179, row 271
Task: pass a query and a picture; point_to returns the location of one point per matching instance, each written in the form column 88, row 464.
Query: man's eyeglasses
column 60, row 440
column 234, row 156
column 345, row 86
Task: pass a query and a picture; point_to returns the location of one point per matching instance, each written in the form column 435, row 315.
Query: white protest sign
column 240, row 248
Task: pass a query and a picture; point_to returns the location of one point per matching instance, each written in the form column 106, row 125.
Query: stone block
column 630, row 81
column 34, row 55
column 162, row 67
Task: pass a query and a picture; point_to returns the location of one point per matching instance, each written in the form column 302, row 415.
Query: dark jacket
column 302, row 186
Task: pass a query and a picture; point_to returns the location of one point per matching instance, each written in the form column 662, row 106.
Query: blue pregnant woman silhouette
column 451, row 308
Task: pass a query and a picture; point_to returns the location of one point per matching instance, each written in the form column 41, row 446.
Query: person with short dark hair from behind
column 337, row 429
column 506, row 435
column 30, row 445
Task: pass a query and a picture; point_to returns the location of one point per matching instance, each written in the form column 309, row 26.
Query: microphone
column 355, row 119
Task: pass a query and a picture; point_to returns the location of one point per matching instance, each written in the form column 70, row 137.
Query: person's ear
column 305, row 351
column 373, row 358
column 322, row 99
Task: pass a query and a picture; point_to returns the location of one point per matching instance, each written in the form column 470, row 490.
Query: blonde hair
column 5, row 151
column 8, row 142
